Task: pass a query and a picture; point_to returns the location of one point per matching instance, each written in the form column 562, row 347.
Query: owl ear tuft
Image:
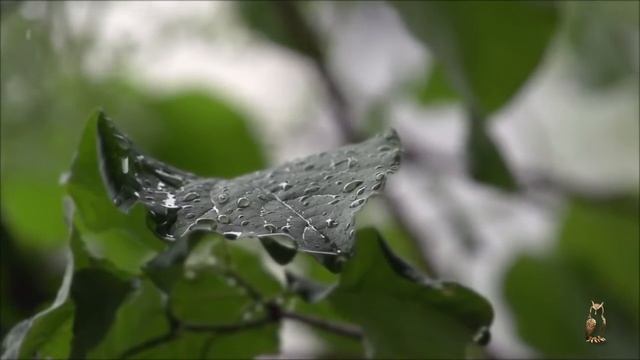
column 593, row 303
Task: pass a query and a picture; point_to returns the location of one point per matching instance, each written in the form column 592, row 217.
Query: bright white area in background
column 553, row 125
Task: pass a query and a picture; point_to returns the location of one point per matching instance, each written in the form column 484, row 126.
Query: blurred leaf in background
column 596, row 258
column 486, row 50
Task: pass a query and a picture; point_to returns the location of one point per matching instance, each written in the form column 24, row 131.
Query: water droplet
column 356, row 203
column 231, row 235
column 360, row 191
column 223, row 198
column 223, row 219
column 331, row 223
column 349, row 187
column 311, row 189
column 376, row 186
column 384, row 148
column 306, row 203
column 190, row 196
column 284, row 186
column 244, row 223
column 352, row 163
column 351, row 233
column 328, row 177
column 190, row 216
column 205, row 224
column 324, row 213
column 380, row 176
column 270, row 228
column 309, row 167
column 333, row 202
column 243, row 202
column 303, row 198
column 339, row 182
column 285, row 229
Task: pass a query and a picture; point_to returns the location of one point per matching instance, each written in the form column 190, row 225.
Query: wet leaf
column 429, row 318
column 308, row 203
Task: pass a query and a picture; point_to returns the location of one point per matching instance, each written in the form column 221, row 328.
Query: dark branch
column 347, row 330
column 151, row 343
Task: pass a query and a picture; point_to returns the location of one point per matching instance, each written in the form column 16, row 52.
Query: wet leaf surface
column 308, row 204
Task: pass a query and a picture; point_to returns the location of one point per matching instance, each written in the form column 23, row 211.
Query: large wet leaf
column 308, row 204
column 406, row 315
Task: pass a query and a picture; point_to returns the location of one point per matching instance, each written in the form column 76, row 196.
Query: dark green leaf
column 97, row 294
column 488, row 48
column 140, row 317
column 279, row 251
column 48, row 333
column 311, row 202
column 124, row 240
column 402, row 313
column 486, row 163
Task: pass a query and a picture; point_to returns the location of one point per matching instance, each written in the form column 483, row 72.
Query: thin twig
column 228, row 328
column 347, row 330
column 339, row 106
column 151, row 343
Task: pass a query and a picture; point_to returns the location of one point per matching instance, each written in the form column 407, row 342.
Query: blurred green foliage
column 596, row 258
column 487, row 50
column 112, row 299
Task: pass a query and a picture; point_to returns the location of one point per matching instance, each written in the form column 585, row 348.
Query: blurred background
column 224, row 88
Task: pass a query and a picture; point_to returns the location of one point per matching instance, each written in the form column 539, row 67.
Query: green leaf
column 312, row 293
column 140, row 318
column 402, row 313
column 246, row 344
column 222, row 284
column 436, row 88
column 596, row 258
column 310, row 202
column 109, row 234
column 486, row 163
column 97, row 294
column 48, row 333
column 601, row 239
column 193, row 122
column 488, row 48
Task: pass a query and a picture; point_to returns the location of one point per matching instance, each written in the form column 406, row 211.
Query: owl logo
column 592, row 323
